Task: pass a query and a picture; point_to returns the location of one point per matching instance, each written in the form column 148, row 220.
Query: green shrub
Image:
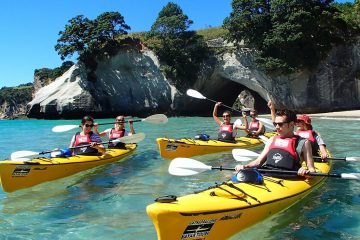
column 21, row 94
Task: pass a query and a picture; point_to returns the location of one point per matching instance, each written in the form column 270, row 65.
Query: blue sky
column 29, row 28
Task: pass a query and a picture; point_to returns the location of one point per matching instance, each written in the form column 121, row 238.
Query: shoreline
column 342, row 114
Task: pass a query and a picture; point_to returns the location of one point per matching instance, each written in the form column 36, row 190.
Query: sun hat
column 304, row 118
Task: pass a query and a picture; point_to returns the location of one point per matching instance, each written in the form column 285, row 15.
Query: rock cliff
column 12, row 110
column 131, row 83
column 13, row 101
column 333, row 86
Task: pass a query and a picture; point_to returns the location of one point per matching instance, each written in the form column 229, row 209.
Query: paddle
column 195, row 94
column 267, row 122
column 188, row 166
column 155, row 119
column 245, row 154
column 263, row 138
column 27, row 155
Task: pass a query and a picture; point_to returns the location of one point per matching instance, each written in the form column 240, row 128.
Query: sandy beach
column 342, row 114
column 353, row 113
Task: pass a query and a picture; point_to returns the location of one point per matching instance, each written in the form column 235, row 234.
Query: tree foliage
column 48, row 75
column 20, row 95
column 350, row 13
column 180, row 50
column 287, row 35
column 90, row 37
column 75, row 37
column 171, row 21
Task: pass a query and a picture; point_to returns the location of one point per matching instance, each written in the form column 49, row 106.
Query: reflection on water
column 109, row 202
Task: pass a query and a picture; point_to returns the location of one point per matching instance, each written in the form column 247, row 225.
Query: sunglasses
column 89, row 125
column 279, row 123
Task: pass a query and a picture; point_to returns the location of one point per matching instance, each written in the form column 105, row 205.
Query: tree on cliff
column 350, row 13
column 181, row 51
column 91, row 38
column 287, row 35
column 47, row 75
column 16, row 95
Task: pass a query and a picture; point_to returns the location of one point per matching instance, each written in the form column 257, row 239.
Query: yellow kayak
column 17, row 175
column 225, row 209
column 187, row 147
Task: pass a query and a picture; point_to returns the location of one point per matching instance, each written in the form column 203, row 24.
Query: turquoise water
column 109, row 202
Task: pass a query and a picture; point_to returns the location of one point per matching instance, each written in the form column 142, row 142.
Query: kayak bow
column 18, row 174
column 225, row 209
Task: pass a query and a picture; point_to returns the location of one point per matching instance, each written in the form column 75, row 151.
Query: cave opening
column 234, row 93
column 224, row 91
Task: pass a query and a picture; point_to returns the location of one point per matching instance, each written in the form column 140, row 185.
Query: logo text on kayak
column 21, row 171
column 198, row 228
column 171, row 147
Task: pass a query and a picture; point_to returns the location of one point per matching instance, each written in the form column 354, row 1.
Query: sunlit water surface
column 109, row 202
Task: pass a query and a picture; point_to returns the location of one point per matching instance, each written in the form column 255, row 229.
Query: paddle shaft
column 196, row 94
column 332, row 158
column 334, row 175
column 221, row 168
column 138, row 120
column 225, row 106
column 87, row 145
column 315, row 157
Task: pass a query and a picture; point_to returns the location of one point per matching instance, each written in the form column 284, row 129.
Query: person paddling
column 87, row 137
column 117, row 131
column 256, row 127
column 227, row 131
column 305, row 130
column 286, row 150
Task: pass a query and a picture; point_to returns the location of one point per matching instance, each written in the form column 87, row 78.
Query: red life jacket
column 226, row 132
column 308, row 134
column 254, row 126
column 283, row 153
column 84, row 140
column 114, row 135
column 311, row 136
